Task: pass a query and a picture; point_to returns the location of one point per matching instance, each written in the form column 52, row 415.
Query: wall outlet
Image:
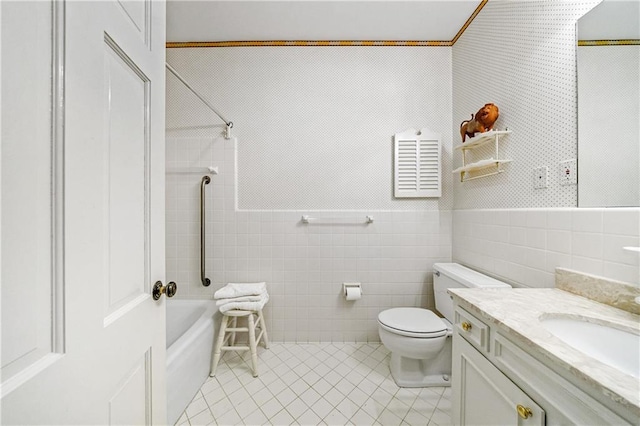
column 568, row 172
column 540, row 177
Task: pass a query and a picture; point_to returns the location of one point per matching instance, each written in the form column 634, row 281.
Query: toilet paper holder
column 345, row 286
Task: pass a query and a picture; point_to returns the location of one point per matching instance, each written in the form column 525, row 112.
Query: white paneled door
column 82, row 213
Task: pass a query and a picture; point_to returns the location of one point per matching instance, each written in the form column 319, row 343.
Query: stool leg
column 263, row 328
column 252, row 345
column 234, row 324
column 218, row 345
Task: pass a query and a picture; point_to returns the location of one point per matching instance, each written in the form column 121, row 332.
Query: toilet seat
column 412, row 322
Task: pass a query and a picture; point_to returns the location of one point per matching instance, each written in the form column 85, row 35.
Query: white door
column 83, row 341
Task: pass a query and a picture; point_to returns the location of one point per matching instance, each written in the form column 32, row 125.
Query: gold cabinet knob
column 466, row 326
column 524, row 412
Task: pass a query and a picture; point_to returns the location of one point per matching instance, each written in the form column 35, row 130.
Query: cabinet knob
column 524, row 412
column 466, row 326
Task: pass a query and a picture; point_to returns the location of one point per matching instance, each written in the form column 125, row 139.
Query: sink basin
column 617, row 348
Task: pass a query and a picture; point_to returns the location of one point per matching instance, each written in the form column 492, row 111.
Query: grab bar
column 337, row 220
column 205, row 181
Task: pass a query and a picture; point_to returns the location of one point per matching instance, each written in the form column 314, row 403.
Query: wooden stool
column 227, row 336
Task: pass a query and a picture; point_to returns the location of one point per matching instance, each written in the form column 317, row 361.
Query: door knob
column 466, row 326
column 159, row 289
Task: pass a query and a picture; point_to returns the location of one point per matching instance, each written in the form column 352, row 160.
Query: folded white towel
column 240, row 290
column 251, row 298
column 244, row 306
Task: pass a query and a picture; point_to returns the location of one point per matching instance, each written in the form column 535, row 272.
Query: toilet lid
column 414, row 322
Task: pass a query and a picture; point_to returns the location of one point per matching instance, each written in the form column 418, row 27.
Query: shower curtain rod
column 227, row 122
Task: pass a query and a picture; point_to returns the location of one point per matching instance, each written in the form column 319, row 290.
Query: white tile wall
column 524, row 246
column 304, row 265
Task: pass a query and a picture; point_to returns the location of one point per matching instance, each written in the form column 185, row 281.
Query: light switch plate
column 540, row 177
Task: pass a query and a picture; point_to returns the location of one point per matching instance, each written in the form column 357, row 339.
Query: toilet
column 418, row 339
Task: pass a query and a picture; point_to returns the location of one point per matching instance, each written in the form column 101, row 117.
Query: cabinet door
column 482, row 395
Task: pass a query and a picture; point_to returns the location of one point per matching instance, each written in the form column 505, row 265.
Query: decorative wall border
column 628, row 42
column 331, row 43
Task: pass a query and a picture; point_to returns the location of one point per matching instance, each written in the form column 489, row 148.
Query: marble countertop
column 517, row 312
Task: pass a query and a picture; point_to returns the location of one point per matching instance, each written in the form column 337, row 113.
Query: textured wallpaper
column 315, row 125
column 520, row 55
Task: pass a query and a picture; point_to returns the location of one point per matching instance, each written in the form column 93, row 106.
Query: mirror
column 609, row 105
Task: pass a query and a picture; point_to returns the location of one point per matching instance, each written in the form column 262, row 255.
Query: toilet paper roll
column 353, row 293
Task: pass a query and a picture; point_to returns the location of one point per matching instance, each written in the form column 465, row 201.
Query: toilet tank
column 454, row 275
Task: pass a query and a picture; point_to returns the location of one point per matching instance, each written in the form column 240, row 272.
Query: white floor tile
column 196, row 407
column 296, row 408
column 262, row 396
column 271, row 408
column 322, row 407
column 204, row 418
column 310, row 396
column 361, row 418
column 282, row 418
column 310, row 418
column 335, row 418
column 322, row 386
column 256, row 418
column 415, row 417
column 387, row 418
column 231, row 417
column 440, row 418
column 315, row 384
column 221, row 407
column 299, row 387
column 398, row 408
column 286, row 396
column 334, row 396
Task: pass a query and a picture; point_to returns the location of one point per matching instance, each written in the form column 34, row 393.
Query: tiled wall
column 314, row 131
column 524, row 246
column 304, row 265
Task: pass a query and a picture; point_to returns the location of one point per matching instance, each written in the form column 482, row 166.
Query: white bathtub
column 191, row 329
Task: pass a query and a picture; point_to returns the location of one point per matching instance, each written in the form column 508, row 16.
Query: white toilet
column 419, row 340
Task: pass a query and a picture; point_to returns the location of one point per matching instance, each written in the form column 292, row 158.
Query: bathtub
column 191, row 325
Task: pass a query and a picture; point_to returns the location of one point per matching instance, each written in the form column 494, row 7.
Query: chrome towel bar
column 336, row 220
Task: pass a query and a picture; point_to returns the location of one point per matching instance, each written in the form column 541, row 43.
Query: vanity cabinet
column 485, row 396
column 497, row 382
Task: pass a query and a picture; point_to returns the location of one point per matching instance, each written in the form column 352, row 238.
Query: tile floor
column 314, row 384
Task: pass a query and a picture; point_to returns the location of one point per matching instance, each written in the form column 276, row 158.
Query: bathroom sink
column 617, row 348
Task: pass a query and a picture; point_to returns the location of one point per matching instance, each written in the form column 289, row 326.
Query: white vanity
column 511, row 366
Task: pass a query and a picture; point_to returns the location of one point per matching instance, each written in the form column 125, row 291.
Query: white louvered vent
column 417, row 164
